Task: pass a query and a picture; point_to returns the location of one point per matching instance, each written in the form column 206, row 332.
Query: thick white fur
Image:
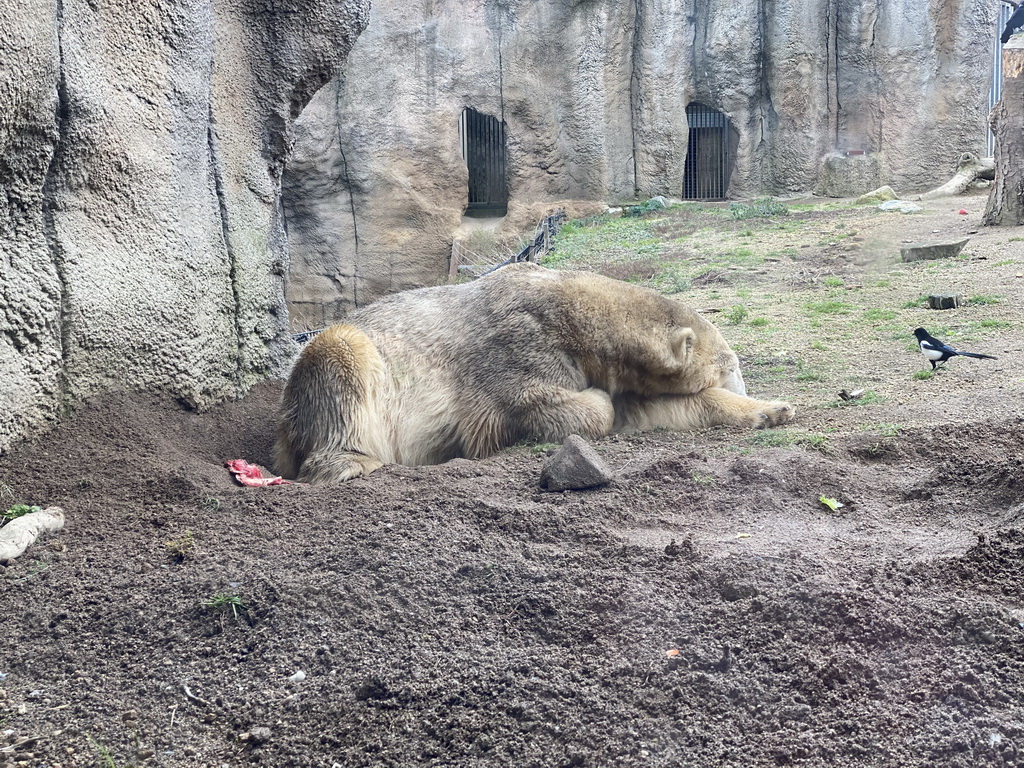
column 425, row 376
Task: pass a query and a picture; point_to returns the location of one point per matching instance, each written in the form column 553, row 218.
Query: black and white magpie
column 1016, row 20
column 939, row 353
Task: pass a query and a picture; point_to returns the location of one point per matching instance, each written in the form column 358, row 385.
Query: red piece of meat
column 252, row 475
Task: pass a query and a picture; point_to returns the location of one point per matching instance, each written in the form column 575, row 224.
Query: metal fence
column 995, row 91
column 466, row 262
column 705, row 176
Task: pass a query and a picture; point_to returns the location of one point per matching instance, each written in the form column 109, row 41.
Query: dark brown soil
column 705, row 609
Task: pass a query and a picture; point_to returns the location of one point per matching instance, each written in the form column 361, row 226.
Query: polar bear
column 524, row 353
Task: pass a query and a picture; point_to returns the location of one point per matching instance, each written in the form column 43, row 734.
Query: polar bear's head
column 700, row 357
column 734, row 379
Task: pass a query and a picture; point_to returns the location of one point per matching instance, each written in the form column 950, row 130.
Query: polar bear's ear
column 682, row 341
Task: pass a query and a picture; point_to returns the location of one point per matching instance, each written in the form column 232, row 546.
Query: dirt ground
column 704, row 609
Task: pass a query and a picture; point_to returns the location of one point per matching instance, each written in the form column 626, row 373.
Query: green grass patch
column 868, row 398
column 735, row 315
column 828, row 307
column 224, row 603
column 643, row 209
column 18, row 510
column 992, row 323
column 106, row 757
column 761, row 208
column 607, row 240
column 786, row 438
column 671, row 279
column 883, row 429
column 704, row 479
column 805, row 376
column 182, row 548
column 983, row 301
column 836, row 206
column 792, row 225
column 916, row 303
column 879, row 315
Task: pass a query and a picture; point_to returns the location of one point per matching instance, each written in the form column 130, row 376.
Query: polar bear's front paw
column 774, row 413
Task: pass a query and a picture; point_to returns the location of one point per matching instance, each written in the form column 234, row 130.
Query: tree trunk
column 1006, row 200
column 969, row 168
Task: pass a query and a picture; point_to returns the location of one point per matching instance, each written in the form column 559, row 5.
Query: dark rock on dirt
column 940, row 249
column 574, row 466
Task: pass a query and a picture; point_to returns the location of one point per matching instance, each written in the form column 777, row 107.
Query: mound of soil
column 703, row 609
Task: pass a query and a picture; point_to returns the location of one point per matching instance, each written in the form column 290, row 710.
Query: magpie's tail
column 975, row 354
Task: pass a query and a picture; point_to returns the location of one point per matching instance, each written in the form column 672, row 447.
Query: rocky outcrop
column 593, row 96
column 141, row 150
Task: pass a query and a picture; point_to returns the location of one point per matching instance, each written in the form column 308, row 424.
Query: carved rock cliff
column 141, row 236
column 593, row 97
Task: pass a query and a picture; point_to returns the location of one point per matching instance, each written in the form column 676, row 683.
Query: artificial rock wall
column 593, row 94
column 142, row 241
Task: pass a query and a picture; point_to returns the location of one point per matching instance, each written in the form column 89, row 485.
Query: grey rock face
column 141, row 150
column 845, row 175
column 594, row 97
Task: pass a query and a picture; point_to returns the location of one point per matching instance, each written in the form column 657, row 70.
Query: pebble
column 256, row 736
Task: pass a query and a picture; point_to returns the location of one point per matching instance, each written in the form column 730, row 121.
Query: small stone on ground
column 574, row 466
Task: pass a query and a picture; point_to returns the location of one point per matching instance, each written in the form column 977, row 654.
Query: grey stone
column 900, row 206
column 941, row 249
column 257, row 736
column 574, row 466
column 945, row 301
column 880, row 195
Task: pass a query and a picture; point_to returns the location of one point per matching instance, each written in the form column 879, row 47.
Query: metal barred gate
column 483, row 148
column 706, row 174
column 995, row 91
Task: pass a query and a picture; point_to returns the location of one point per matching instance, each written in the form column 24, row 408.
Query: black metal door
column 706, row 174
column 483, row 147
